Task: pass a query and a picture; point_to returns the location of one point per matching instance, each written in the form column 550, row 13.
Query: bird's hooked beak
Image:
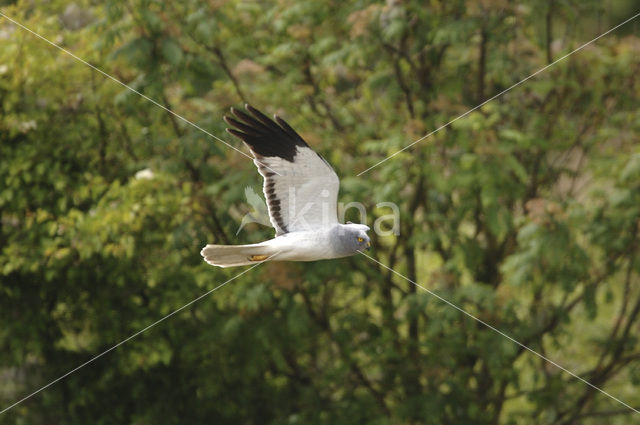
column 368, row 246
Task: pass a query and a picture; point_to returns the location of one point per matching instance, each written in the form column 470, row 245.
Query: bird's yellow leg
column 258, row 257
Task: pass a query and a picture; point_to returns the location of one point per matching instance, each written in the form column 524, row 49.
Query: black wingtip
column 280, row 121
column 265, row 137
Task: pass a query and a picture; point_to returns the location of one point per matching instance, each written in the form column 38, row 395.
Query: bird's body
column 309, row 245
column 305, row 245
column 301, row 190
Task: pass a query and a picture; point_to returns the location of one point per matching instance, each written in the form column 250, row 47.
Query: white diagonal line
column 95, row 68
column 132, row 336
column 501, row 333
column 501, row 93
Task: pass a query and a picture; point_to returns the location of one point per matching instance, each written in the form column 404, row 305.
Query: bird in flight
column 301, row 190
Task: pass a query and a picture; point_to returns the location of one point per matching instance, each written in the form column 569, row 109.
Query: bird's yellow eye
column 360, row 239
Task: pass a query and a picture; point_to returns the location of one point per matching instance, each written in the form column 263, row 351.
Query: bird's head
column 355, row 237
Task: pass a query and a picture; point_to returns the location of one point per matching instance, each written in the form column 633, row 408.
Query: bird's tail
column 237, row 255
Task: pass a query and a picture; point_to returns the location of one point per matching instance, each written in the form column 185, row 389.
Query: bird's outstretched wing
column 300, row 186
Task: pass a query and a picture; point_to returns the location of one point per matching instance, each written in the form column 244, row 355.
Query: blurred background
column 524, row 213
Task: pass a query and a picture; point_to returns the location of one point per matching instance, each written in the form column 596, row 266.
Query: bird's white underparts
column 301, row 189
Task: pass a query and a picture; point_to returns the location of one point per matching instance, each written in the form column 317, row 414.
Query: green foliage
column 525, row 213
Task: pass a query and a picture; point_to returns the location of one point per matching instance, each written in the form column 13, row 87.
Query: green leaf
column 171, row 51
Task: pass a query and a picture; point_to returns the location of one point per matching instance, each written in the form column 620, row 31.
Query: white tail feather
column 237, row 255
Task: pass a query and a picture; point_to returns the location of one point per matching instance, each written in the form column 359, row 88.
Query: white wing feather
column 307, row 191
column 300, row 186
